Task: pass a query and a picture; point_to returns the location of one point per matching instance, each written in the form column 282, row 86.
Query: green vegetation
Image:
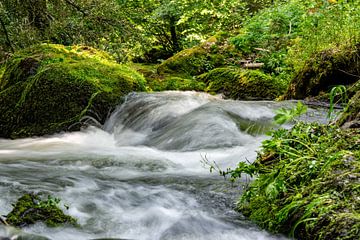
column 307, row 177
column 312, row 44
column 214, row 52
column 284, row 115
column 60, row 85
column 351, row 116
column 30, row 209
column 127, row 29
column 307, row 183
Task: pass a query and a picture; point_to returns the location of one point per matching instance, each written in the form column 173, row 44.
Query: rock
column 30, row 209
column 350, row 118
column 242, row 84
column 324, row 70
column 49, row 88
column 214, row 52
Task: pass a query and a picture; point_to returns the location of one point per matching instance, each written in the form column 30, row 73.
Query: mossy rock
column 177, row 83
column 308, row 183
column 30, row 209
column 49, row 88
column 214, row 52
column 325, row 70
column 242, row 84
column 350, row 118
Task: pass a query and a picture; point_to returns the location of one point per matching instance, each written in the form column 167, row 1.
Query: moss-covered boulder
column 308, row 183
column 49, row 88
column 177, row 83
column 30, row 209
column 243, row 84
column 324, row 70
column 214, row 52
column 174, row 81
column 350, row 118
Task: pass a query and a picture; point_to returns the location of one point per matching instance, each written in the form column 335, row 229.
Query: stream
column 143, row 175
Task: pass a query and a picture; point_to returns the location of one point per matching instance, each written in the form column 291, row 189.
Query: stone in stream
column 50, row 88
column 30, row 209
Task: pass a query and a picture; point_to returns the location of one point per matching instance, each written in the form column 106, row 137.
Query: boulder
column 325, row 70
column 244, row 84
column 214, row 52
column 350, row 117
column 50, row 88
column 31, row 208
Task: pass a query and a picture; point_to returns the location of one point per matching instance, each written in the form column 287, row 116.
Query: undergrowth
column 307, row 183
column 286, row 35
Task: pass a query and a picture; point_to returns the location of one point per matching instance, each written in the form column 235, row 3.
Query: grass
column 307, row 183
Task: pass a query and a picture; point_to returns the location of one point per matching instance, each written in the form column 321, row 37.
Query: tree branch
column 76, row 7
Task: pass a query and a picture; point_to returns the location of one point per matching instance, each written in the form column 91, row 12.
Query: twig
column 350, row 74
column 3, row 221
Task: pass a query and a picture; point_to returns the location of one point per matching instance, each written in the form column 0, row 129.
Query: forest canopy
column 127, row 29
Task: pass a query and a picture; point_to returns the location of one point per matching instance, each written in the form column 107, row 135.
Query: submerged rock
column 49, row 88
column 30, row 209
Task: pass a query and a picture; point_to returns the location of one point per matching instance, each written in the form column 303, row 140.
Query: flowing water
column 142, row 175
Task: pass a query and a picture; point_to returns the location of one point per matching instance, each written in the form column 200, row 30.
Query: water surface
column 142, row 174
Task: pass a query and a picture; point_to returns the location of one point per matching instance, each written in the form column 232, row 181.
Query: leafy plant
column 284, row 115
column 336, row 91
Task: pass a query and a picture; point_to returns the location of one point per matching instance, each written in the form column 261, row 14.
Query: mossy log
column 49, row 88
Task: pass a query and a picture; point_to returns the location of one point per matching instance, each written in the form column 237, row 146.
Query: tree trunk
column 174, row 37
column 37, row 10
column 8, row 42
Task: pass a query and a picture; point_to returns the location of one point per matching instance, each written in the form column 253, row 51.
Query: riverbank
column 307, row 184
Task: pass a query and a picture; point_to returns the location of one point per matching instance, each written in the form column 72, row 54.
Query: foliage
column 335, row 91
column 126, row 29
column 284, row 115
column 31, row 208
column 266, row 36
column 307, row 183
column 287, row 36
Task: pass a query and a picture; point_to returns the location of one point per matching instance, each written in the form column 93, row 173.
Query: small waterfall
column 141, row 176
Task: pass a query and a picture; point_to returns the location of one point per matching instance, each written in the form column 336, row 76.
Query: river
column 142, row 174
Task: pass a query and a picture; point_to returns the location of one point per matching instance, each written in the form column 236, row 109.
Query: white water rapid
column 141, row 176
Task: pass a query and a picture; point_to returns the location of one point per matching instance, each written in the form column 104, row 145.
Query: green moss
column 214, row 52
column 351, row 116
column 308, row 183
column 239, row 83
column 174, row 81
column 178, row 83
column 2, row 70
column 324, row 70
column 30, row 209
column 48, row 88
